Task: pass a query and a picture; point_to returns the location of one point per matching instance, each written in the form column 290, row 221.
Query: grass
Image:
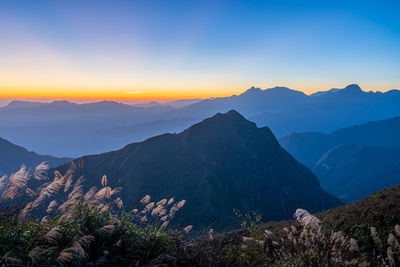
column 61, row 225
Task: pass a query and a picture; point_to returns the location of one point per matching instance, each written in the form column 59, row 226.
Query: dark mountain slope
column 219, row 164
column 308, row 147
column 351, row 172
column 13, row 156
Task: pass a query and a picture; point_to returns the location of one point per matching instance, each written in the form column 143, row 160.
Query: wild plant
column 61, row 224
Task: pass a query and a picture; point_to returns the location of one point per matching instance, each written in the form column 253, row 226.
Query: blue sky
column 180, row 49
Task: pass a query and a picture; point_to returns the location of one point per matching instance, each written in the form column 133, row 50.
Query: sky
column 166, row 49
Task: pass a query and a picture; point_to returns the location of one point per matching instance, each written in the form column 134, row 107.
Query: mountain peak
column 221, row 123
column 252, row 90
column 353, row 88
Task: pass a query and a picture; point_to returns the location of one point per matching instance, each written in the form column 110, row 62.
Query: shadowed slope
column 219, row 164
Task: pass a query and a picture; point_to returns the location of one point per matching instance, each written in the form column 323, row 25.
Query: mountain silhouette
column 353, row 162
column 13, row 156
column 222, row 163
column 352, row 172
column 309, row 147
column 63, row 128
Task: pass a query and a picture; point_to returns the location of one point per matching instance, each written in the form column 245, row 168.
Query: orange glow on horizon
column 128, row 94
column 114, row 95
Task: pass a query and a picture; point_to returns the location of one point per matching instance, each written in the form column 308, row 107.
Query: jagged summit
column 252, row 90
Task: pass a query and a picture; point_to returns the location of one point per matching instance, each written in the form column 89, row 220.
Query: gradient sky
column 154, row 49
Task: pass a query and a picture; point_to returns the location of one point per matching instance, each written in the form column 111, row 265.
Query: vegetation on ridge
column 92, row 229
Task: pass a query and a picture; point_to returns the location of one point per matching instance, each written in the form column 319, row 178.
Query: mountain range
column 353, row 162
column 222, row 163
column 352, row 172
column 62, row 128
column 12, row 157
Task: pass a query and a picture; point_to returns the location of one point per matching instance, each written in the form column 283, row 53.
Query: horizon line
column 97, row 97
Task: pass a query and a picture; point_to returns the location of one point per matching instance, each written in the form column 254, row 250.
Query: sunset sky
column 164, row 49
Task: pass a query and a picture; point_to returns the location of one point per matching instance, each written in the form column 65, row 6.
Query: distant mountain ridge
column 309, row 147
column 12, row 157
column 108, row 125
column 221, row 163
column 353, row 162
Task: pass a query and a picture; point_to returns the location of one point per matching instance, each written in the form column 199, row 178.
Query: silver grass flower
column 375, row 236
column 267, row 233
column 211, row 234
column 187, row 228
column 108, row 195
column 69, row 180
column 57, row 174
column 104, row 180
column 392, row 241
column 73, row 167
column 76, row 193
column 119, row 202
column 89, row 194
column 49, row 191
column 86, row 240
column 143, row 219
column 116, row 190
column 15, row 183
column 353, row 245
column 158, row 211
column 149, row 206
column 145, row 199
column 36, row 253
column 81, row 163
column 30, row 192
column 26, row 210
column 44, row 220
column 107, row 229
column 170, row 201
column 181, row 204
column 71, row 254
column 51, row 206
column 54, row 234
column 161, row 202
column 2, row 181
column 307, row 220
column 101, row 195
column 164, row 225
column 104, row 208
column 40, row 171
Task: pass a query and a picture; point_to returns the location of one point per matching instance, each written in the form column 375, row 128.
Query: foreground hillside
column 223, row 163
column 94, row 228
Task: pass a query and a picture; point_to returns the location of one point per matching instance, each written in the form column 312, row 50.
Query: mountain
column 13, row 156
column 221, row 163
column 63, row 128
column 332, row 110
column 352, row 172
column 309, row 147
column 352, row 162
